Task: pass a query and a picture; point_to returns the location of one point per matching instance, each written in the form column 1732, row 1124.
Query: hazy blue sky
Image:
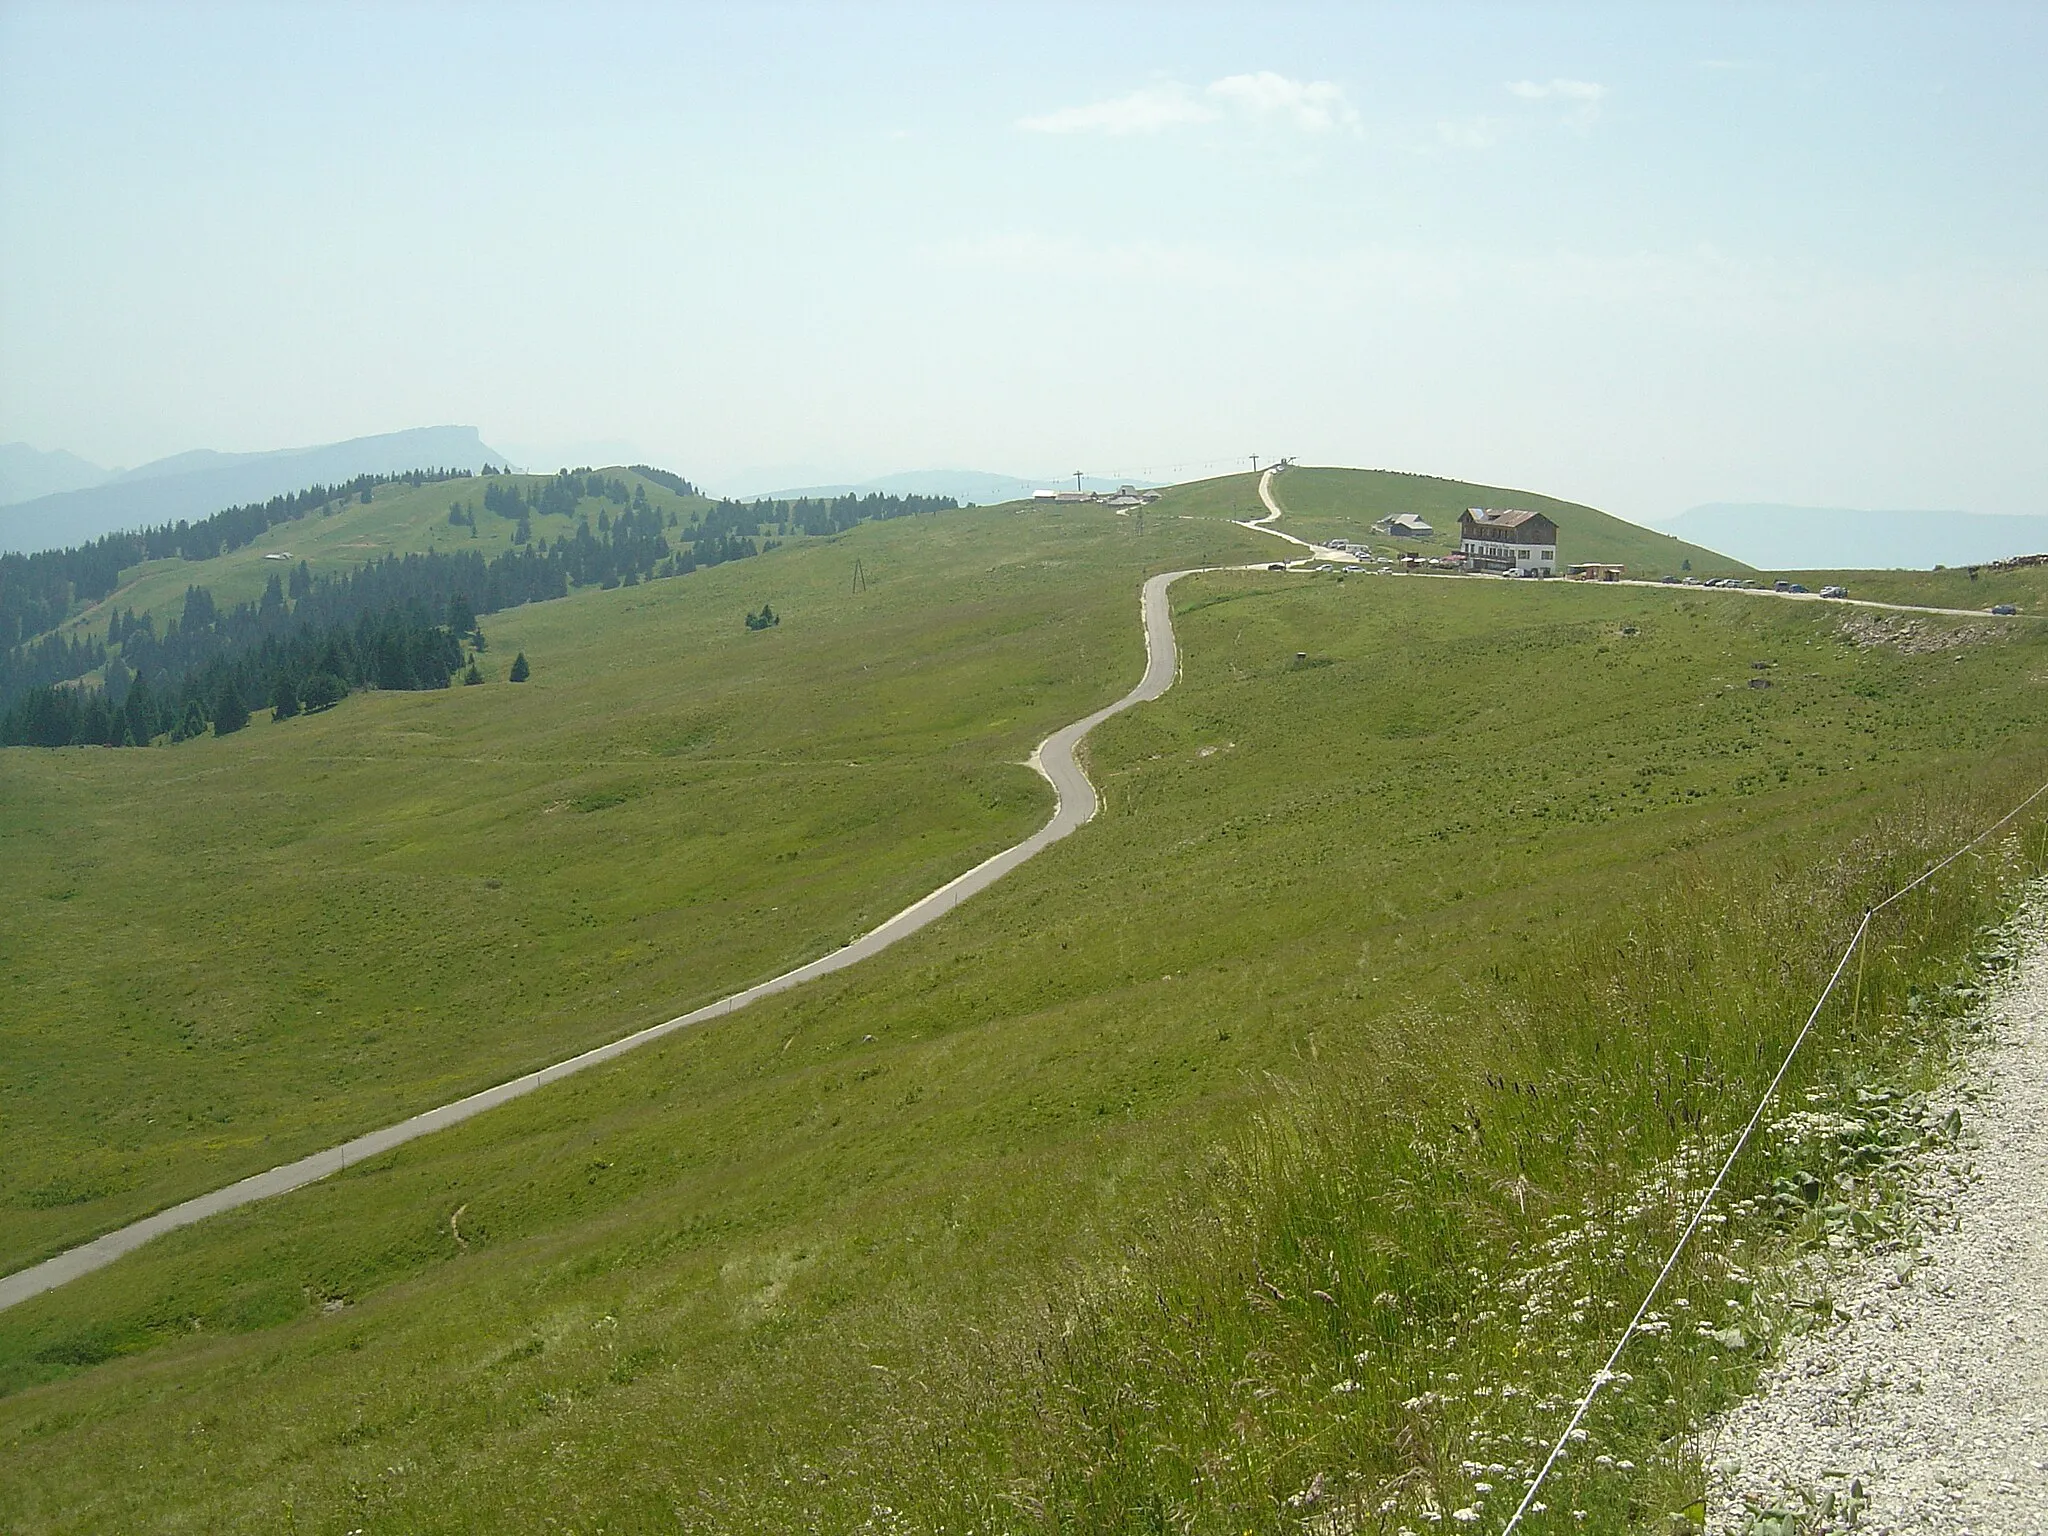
column 1642, row 255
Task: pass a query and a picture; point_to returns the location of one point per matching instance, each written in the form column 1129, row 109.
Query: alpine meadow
column 1282, row 1145
column 689, row 846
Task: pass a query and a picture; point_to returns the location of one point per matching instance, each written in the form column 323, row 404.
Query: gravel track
column 1926, row 1410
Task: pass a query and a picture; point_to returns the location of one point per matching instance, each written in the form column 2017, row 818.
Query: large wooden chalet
column 1507, row 541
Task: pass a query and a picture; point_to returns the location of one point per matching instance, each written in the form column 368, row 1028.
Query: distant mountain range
column 970, row 487
column 26, row 473
column 1783, row 538
column 200, row 483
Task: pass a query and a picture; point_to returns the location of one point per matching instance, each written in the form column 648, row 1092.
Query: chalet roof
column 1491, row 517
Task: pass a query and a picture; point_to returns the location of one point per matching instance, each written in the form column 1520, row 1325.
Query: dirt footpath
column 1927, row 1409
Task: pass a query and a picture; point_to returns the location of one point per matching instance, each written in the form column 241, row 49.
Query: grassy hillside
column 230, row 952
column 734, row 1283
column 2026, row 588
column 399, row 519
column 1345, row 503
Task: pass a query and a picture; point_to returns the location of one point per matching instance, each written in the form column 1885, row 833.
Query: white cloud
column 1312, row 106
column 1151, row 110
column 1583, row 97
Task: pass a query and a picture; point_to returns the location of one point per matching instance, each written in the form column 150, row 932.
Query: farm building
column 1507, row 540
column 1595, row 571
column 1405, row 525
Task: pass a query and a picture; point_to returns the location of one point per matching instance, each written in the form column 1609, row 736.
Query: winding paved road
column 1076, row 806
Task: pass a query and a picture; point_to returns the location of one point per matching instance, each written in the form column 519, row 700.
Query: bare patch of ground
column 1916, row 637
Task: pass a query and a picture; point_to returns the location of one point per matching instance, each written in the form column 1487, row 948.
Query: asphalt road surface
column 1077, row 805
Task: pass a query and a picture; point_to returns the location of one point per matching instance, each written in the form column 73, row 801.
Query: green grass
column 2026, row 588
column 1484, row 840
column 1345, row 503
column 230, row 952
column 399, row 519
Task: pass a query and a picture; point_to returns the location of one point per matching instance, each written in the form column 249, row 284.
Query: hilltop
column 1326, row 503
column 395, row 518
column 260, row 601
column 199, row 483
column 969, row 487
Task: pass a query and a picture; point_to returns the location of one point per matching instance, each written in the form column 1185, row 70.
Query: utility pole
column 1255, row 463
column 860, row 578
column 1077, row 481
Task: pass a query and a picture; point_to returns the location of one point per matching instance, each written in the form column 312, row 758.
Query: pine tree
column 230, row 714
column 323, row 691
column 472, row 677
column 520, row 670
column 285, row 702
column 140, row 708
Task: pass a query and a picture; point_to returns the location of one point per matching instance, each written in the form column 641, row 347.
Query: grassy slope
column 227, row 953
column 682, row 1273
column 398, row 520
column 2025, row 588
column 1338, row 503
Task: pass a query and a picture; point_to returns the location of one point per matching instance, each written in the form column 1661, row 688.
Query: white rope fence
column 1605, row 1374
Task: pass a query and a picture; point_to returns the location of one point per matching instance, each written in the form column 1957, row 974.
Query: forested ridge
column 395, row 622
column 40, row 591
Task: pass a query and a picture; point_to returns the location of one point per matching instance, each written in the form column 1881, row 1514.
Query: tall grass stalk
column 1374, row 1311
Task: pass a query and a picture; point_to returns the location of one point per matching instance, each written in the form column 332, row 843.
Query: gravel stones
column 1925, row 1407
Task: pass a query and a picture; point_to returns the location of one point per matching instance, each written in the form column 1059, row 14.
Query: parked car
column 1276, row 566
column 2005, row 609
column 1834, row 591
column 1781, row 586
column 1794, row 587
column 1669, row 581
